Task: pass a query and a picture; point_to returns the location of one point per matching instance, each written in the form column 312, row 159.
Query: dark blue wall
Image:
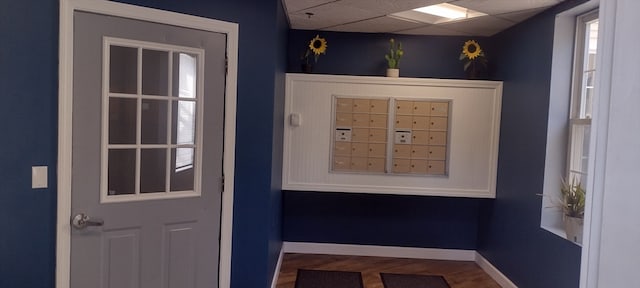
column 28, row 113
column 391, row 220
column 510, row 235
column 28, row 87
column 363, row 54
column 388, row 220
column 275, row 229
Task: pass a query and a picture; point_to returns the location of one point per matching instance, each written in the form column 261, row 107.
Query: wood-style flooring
column 459, row 274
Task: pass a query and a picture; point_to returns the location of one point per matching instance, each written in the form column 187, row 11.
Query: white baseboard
column 274, row 282
column 379, row 251
column 396, row 252
column 494, row 272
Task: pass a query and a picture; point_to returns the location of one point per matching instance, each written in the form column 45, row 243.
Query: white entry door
column 148, row 113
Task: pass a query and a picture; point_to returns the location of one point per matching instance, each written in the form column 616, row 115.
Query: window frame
column 579, row 121
column 557, row 134
column 105, row 195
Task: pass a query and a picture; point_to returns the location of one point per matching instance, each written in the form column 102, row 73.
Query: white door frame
column 65, row 109
column 609, row 254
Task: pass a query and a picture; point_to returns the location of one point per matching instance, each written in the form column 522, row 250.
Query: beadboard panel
column 473, row 137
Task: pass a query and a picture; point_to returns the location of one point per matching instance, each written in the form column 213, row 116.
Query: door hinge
column 222, row 184
column 226, row 65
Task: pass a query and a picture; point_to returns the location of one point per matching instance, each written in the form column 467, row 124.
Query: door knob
column 82, row 221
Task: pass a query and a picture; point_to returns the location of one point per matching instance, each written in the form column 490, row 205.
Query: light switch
column 403, row 137
column 295, row 119
column 39, row 177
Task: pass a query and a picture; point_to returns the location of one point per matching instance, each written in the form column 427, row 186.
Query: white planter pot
column 393, row 72
column 573, row 227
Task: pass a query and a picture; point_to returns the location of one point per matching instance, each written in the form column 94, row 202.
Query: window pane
column 122, row 172
column 580, row 134
column 154, row 121
column 153, row 163
column 183, row 122
column 155, row 72
column 592, row 48
column 184, row 75
column 578, row 178
column 122, row 120
column 586, row 97
column 123, row 70
column 182, row 177
column 585, row 148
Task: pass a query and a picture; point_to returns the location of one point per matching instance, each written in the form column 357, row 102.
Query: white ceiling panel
column 433, row 30
column 381, row 24
column 493, row 7
column 480, row 26
column 297, row 5
column 386, row 7
column 368, row 15
column 520, row 16
column 332, row 14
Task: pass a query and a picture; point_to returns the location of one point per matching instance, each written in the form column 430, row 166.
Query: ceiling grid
column 375, row 16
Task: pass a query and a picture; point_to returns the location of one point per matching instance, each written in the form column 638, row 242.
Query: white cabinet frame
column 474, row 135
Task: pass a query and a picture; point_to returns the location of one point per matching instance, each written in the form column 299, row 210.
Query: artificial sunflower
column 471, row 49
column 473, row 55
column 318, row 46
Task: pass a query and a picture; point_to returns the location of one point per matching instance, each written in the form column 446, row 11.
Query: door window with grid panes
column 150, row 115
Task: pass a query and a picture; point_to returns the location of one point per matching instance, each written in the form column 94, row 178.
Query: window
column 151, row 100
column 582, row 97
column 573, row 70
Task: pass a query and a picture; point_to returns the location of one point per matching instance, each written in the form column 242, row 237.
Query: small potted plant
column 393, row 58
column 573, row 202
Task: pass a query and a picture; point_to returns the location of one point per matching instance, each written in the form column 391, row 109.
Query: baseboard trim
column 274, row 281
column 379, row 251
column 397, row 252
column 494, row 272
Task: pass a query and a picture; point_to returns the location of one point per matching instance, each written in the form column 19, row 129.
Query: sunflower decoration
column 317, row 46
column 473, row 54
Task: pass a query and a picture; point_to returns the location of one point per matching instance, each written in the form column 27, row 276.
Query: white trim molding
column 395, row 252
column 611, row 237
column 493, row 272
column 379, row 251
column 65, row 105
column 276, row 273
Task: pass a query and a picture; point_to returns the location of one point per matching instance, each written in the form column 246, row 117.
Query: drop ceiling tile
column 328, row 15
column 520, row 15
column 493, row 7
column 302, row 22
column 480, row 26
column 381, row 24
column 297, row 5
column 367, row 15
column 386, row 7
column 433, row 30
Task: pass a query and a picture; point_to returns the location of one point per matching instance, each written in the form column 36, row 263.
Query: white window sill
column 559, row 231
